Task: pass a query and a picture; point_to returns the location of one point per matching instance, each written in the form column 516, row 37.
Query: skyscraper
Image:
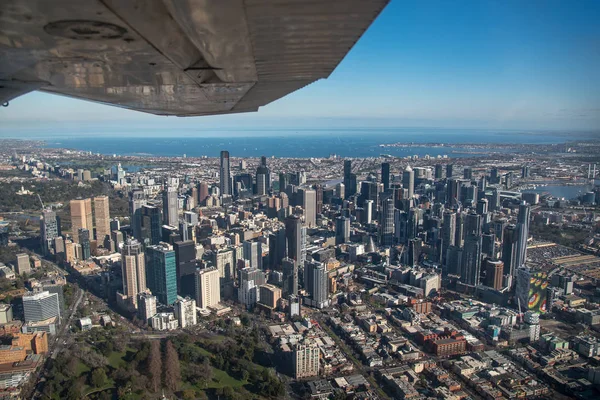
column 185, row 256
column 494, row 271
column 208, row 287
column 83, row 236
column 48, row 229
column 523, row 233
column 151, row 232
column 225, row 174
column 250, row 280
column 136, row 200
column 448, row 232
column 161, row 273
column 386, row 234
column 202, row 192
column 349, row 181
column 319, row 195
column 408, row 181
column 342, row 230
column 471, row 260
column 81, row 216
column 385, row 175
column 133, row 270
column 290, row 277
column 102, row 212
column 509, row 250
column 439, row 171
column 263, row 177
column 472, row 224
column 253, row 253
column 309, row 204
column 315, row 282
column 170, row 214
column 293, row 234
column 449, row 171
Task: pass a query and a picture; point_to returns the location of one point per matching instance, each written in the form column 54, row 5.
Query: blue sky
column 531, row 64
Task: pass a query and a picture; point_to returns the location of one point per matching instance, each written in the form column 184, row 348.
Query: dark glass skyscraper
column 471, row 260
column 293, row 234
column 185, row 257
column 509, row 250
column 385, row 175
column 225, row 174
column 523, row 229
column 151, row 232
column 84, row 241
column 263, row 177
column 350, row 183
column 161, row 273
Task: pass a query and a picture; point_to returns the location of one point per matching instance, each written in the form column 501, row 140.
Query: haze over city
column 363, row 200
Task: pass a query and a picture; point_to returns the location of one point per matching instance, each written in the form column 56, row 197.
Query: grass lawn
column 223, row 379
column 82, row 368
column 116, row 358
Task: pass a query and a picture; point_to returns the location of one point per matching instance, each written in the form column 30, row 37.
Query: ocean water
column 299, row 143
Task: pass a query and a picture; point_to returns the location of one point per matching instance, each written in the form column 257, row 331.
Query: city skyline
column 487, row 65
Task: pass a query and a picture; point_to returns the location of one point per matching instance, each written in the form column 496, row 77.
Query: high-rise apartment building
column 133, row 270
column 146, row 306
column 170, row 206
column 253, row 253
column 185, row 312
column 386, row 224
column 208, row 287
column 523, row 233
column 306, row 360
column 48, row 230
column 408, row 181
column 342, row 230
column 315, row 282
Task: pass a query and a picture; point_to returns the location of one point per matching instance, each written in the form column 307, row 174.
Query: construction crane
column 41, row 202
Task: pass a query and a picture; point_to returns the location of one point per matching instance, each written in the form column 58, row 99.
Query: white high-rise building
column 185, row 311
column 146, row 306
column 40, row 306
column 170, row 206
column 309, row 203
column 208, row 287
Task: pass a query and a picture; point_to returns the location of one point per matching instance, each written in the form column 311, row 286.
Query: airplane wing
column 176, row 57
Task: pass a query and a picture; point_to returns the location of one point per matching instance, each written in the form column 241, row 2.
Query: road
column 59, row 340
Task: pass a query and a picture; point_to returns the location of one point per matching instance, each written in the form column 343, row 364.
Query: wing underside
column 176, row 57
